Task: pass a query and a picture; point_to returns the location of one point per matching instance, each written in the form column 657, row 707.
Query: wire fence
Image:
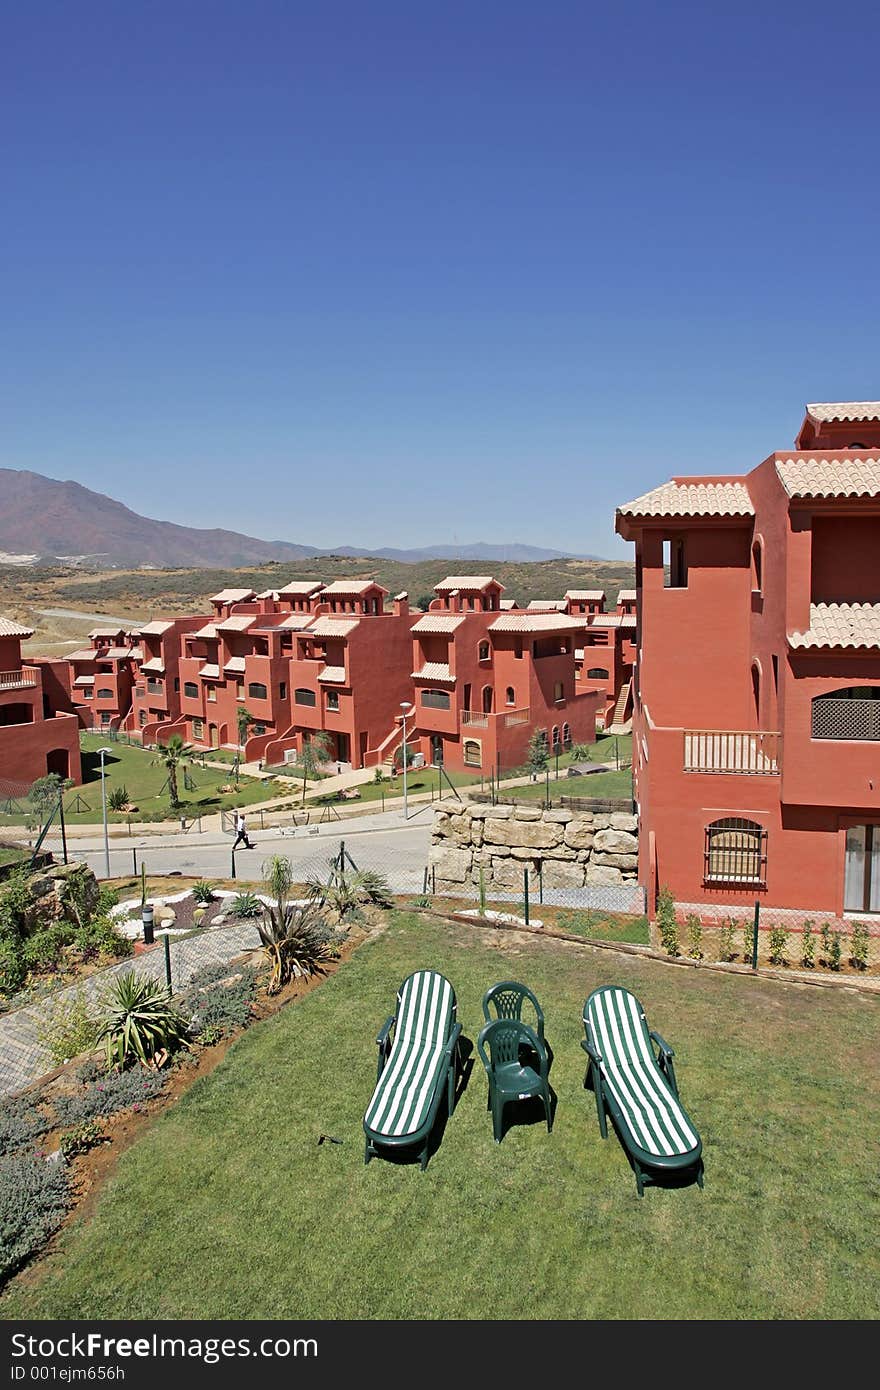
column 781, row 938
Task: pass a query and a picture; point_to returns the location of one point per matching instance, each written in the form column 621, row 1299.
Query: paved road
column 85, row 617
column 380, row 842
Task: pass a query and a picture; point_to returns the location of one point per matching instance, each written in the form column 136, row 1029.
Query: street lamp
column 102, row 752
column 406, row 707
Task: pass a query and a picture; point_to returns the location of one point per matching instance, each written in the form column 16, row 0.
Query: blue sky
column 399, row 273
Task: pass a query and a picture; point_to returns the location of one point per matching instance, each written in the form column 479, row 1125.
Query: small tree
column 425, row 602
column 695, row 936
column 243, row 719
column 295, row 936
column 43, row 799
column 537, row 759
column 667, row 922
column 315, row 751
column 172, row 754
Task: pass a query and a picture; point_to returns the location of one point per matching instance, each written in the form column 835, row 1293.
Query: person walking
column 241, row 832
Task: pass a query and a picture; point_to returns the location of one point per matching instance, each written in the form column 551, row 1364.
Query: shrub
column 215, row 1009
column 778, row 942
column 84, row 1136
column 695, row 936
column 107, row 898
column 378, row 775
column 20, row 1124
column 748, row 929
column 101, row 937
column 858, row 957
column 110, row 1092
column 825, row 932
column 834, row 953
column 202, row 891
column 666, row 922
column 246, row 904
column 70, row 1028
column 13, row 970
column 423, row 900
column 44, row 949
column 117, row 798
column 34, row 1198
column 808, row 945
column 580, row 752
column 727, row 949
column 139, row 1021
column 15, row 900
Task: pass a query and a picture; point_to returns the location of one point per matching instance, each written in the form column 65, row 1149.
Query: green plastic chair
column 506, row 1000
column 501, row 1044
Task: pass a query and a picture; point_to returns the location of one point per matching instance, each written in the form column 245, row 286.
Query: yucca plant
column 296, row 937
column 138, row 1021
column 202, row 891
column 246, row 904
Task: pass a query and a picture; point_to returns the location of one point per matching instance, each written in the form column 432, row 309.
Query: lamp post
column 102, row 753
column 406, row 707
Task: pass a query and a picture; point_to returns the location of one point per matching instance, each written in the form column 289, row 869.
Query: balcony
column 475, row 719
column 756, row 753
column 26, row 678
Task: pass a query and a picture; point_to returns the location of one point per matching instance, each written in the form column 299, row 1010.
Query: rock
column 508, row 874
column 616, row 842
column 557, row 875
column 164, row 915
column 499, row 812
column 558, row 817
column 449, row 863
column 527, row 834
column 528, row 813
column 601, row 822
column 450, row 806
column 522, row 852
column 477, row 812
column 620, row 820
column 578, row 834
column 603, row 874
column 619, row 861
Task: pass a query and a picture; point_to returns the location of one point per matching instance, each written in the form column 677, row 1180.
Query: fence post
column 541, row 882
column 167, row 943
column 262, row 823
column 425, row 883
column 434, row 881
column 526, row 894
column 232, row 875
column 755, row 936
column 134, row 861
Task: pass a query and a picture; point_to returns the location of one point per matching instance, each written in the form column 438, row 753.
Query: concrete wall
column 570, row 848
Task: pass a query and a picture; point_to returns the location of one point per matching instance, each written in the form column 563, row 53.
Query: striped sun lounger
column 638, row 1090
column 417, row 1066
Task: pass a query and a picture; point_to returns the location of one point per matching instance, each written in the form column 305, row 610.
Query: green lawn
column 613, row 785
column 143, row 775
column 229, row 1208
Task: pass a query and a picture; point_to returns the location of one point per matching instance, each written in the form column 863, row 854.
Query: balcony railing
column 756, row 753
column 17, row 680
column 476, row 719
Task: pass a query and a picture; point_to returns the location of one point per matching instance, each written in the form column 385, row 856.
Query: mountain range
column 43, row 519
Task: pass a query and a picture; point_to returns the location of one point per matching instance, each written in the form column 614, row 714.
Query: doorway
column 861, row 882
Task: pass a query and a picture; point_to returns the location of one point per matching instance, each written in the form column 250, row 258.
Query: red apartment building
column 37, row 734
column 757, row 711
column 486, row 677
column 155, row 695
column 101, row 678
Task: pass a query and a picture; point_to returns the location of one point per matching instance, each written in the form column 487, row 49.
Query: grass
column 612, row 785
column 144, row 776
column 11, row 854
column 231, row 1183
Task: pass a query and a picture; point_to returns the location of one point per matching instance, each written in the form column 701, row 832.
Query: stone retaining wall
column 569, row 848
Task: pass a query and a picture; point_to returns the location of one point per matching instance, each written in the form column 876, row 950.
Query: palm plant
column 139, row 1021
column 296, row 936
column 244, row 719
column 346, row 894
column 172, row 754
column 315, row 752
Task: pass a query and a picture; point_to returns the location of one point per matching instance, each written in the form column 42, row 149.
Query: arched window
column 736, row 852
column 483, row 651
column 488, row 694
column 597, row 673
column 851, row 713
column 257, row 691
column 510, row 695
column 756, row 689
column 566, row 735
column 435, row 699
column 302, row 696
column 105, row 694
column 554, row 737
column 473, row 752
column 558, row 691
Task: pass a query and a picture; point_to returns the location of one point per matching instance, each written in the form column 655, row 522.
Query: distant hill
column 60, row 520
column 44, row 519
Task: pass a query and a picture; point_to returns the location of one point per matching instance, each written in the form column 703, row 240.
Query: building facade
column 756, row 750
column 38, row 735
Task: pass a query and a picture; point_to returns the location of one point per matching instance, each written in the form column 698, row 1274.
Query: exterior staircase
column 619, row 722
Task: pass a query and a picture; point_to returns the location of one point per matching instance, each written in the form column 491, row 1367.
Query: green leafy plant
column 219, row 1006
column 748, row 931
column 34, row 1198
column 68, row 1029
column 778, row 943
column 667, row 923
column 107, row 1092
column 423, row 900
column 345, row 894
column 580, row 752
column 808, row 944
column 379, row 775
column 202, row 891
column 44, row 949
column 101, row 939
column 695, row 936
column 84, row 1136
column 727, row 935
column 107, row 898
column 139, row 1021
column 315, row 752
column 296, row 937
column 537, row 757
column 173, row 754
column 20, row 1124
column 825, row 933
column 16, row 901
column 118, row 798
column 13, row 971
column 43, row 799
column 245, row 905
column 835, row 953
column 858, row 949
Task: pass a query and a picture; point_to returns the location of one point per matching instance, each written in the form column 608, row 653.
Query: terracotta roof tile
column 692, row 499
column 10, row 629
column 827, row 411
column 626, row 596
column 840, row 625
column 536, row 622
column 477, row 582
column 586, row 595
column 349, row 587
column 434, row 671
column 333, row 627
column 233, row 596
column 833, row 476
column 332, row 673
column 438, row 622
column 155, row 629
